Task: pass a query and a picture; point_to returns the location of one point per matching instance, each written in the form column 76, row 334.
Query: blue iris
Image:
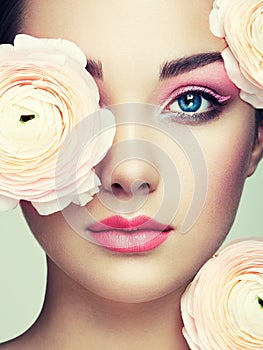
column 190, row 102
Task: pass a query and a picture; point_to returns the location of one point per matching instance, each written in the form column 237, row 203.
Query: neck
column 73, row 317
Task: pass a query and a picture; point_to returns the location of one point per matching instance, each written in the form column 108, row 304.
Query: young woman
column 141, row 53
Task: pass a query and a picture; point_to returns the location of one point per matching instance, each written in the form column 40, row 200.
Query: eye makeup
column 217, row 98
column 213, row 77
column 197, row 96
column 193, row 104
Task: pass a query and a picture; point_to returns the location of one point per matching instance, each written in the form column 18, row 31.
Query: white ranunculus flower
column 45, row 93
column 223, row 306
column 240, row 22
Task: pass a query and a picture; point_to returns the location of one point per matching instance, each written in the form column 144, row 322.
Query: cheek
column 228, row 158
column 227, row 150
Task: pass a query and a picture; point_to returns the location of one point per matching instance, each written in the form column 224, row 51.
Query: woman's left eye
column 190, row 103
column 194, row 104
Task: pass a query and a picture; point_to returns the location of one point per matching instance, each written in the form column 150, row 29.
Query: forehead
column 176, row 25
column 139, row 34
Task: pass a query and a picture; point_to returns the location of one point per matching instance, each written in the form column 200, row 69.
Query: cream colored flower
column 45, row 93
column 240, row 22
column 223, row 307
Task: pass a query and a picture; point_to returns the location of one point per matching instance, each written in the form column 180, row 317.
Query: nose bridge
column 136, row 128
column 129, row 167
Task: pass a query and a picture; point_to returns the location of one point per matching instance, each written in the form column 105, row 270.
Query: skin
column 131, row 301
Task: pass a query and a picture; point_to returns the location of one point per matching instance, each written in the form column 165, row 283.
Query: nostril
column 140, row 187
column 116, row 185
column 116, row 189
column 144, row 188
column 136, row 188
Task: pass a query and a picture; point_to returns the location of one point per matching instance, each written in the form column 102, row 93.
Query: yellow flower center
column 260, row 301
column 26, row 117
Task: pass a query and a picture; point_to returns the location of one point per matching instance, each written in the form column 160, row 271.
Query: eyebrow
column 182, row 65
column 169, row 68
column 94, row 68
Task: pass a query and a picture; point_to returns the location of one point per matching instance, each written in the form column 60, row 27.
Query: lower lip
column 126, row 242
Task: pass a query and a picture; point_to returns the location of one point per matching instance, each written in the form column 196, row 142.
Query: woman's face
column 133, row 40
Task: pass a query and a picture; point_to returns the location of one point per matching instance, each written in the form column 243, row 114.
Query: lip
column 139, row 234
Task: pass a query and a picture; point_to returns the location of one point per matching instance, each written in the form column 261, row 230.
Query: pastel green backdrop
column 23, row 269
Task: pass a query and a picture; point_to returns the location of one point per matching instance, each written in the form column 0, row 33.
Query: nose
column 131, row 167
column 128, row 170
column 130, row 178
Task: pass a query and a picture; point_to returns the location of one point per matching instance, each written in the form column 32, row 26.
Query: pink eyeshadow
column 212, row 76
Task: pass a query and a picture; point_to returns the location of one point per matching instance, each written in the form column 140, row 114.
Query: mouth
column 139, row 234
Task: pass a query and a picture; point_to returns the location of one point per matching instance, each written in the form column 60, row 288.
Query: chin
column 135, row 285
column 135, row 295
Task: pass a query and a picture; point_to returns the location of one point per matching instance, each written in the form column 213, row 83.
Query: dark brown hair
column 11, row 12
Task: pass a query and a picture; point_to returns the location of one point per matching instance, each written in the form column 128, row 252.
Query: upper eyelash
column 194, row 118
column 208, row 93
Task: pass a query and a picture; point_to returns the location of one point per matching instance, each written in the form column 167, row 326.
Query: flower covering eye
column 45, row 94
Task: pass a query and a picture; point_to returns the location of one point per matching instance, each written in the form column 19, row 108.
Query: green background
column 23, row 269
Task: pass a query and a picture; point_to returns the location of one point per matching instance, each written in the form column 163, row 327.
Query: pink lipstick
column 139, row 234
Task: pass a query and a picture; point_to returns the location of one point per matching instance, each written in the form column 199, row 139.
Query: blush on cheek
column 226, row 177
column 228, row 145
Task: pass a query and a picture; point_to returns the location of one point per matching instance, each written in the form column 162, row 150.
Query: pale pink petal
column 29, row 45
column 216, row 23
column 7, row 203
column 224, row 311
column 234, row 72
column 46, row 96
column 53, row 206
column 255, row 100
column 240, row 23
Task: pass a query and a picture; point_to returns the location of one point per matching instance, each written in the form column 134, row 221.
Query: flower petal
column 240, row 22
column 46, row 95
column 224, row 311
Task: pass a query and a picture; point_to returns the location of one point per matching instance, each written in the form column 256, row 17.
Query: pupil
column 190, row 102
column 260, row 301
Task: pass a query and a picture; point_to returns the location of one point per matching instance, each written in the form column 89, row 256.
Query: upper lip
column 137, row 223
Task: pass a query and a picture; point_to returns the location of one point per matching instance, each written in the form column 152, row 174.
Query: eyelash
column 204, row 95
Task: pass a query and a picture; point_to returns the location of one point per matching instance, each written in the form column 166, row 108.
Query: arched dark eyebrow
column 169, row 68
column 182, row 65
column 94, row 68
